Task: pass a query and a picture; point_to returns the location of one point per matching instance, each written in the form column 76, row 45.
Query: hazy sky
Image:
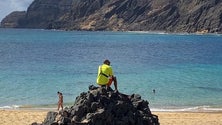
column 8, row 6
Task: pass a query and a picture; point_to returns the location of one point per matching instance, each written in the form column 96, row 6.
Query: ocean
column 184, row 69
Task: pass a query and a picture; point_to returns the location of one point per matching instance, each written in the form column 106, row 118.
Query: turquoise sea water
column 184, row 69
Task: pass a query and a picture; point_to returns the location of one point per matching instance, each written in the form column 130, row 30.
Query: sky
column 8, row 6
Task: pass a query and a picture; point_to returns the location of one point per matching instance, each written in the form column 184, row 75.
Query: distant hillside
column 124, row 15
column 13, row 19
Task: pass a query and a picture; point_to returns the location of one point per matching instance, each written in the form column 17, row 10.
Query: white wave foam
column 213, row 109
column 10, row 107
column 188, row 109
column 27, row 107
column 148, row 32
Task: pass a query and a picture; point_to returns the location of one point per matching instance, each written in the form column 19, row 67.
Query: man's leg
column 115, row 83
column 58, row 106
column 62, row 106
column 113, row 79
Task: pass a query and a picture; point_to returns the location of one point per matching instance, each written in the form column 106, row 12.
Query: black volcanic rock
column 100, row 106
column 124, row 15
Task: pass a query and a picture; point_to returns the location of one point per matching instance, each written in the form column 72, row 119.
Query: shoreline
column 127, row 31
column 29, row 116
column 53, row 107
column 152, row 110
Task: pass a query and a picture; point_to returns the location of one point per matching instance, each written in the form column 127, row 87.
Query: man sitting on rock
column 105, row 75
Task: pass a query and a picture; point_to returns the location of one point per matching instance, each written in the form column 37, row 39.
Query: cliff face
column 13, row 19
column 136, row 15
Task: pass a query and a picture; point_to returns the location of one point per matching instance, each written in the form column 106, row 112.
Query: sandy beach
column 21, row 117
column 26, row 117
column 189, row 118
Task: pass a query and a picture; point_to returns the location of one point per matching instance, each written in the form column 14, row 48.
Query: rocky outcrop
column 13, row 19
column 125, row 15
column 100, row 106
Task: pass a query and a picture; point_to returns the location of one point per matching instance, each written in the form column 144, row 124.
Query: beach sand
column 189, row 118
column 26, row 117
column 21, row 117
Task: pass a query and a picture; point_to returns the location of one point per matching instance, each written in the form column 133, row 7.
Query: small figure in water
column 60, row 102
column 154, row 91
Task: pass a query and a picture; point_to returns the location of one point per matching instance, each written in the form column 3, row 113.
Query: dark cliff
column 123, row 15
column 13, row 19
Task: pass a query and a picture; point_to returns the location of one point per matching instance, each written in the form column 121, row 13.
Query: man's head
column 107, row 62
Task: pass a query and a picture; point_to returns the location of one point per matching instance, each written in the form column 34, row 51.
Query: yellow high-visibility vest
column 104, row 72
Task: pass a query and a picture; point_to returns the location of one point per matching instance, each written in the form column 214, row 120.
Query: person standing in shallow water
column 60, row 102
column 105, row 75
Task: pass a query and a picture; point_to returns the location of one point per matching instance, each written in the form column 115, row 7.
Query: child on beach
column 60, row 102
